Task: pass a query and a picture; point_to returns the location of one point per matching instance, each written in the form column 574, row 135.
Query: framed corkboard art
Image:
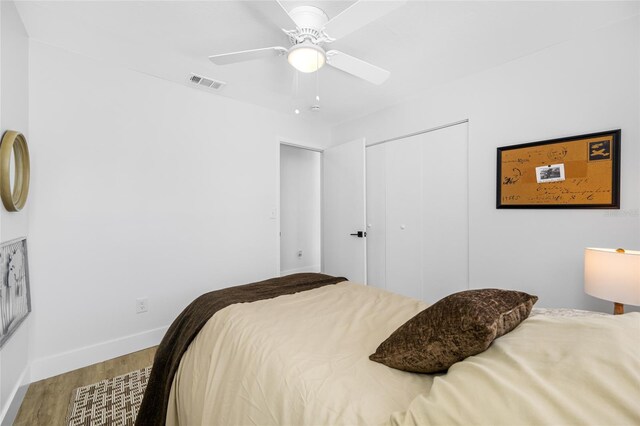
column 578, row 172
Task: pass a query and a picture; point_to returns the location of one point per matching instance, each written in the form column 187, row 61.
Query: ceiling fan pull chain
column 317, row 100
column 295, row 98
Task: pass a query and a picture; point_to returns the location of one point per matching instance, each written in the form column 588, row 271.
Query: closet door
column 376, row 215
column 445, row 212
column 417, row 214
column 404, row 222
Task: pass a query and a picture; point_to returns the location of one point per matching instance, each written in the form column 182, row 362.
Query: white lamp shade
column 612, row 276
column 306, row 57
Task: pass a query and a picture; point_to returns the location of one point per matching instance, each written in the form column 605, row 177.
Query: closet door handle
column 359, row 234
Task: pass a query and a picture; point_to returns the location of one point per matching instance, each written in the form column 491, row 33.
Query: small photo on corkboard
column 577, row 172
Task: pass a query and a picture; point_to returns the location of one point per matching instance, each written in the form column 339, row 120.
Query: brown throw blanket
column 184, row 329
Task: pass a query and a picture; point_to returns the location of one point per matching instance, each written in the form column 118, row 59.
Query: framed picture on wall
column 15, row 298
column 577, row 172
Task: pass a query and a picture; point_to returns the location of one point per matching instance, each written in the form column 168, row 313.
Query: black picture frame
column 612, row 150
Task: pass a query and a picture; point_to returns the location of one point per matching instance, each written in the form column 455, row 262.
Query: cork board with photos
column 574, row 172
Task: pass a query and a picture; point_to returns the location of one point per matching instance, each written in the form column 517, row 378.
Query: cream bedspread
column 548, row 371
column 297, row 359
column 302, row 359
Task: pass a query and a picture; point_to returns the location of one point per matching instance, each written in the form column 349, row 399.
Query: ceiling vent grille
column 206, row 82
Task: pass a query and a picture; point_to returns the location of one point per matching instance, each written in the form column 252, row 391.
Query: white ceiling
column 423, row 44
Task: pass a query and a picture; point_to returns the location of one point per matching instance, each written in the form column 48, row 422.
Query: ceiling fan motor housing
column 310, row 21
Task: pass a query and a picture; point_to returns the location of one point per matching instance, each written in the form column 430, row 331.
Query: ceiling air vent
column 206, row 82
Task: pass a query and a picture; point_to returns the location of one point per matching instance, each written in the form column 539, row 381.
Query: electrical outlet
column 142, row 305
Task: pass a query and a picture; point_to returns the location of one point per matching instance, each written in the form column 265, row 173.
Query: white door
column 404, row 217
column 445, row 206
column 376, row 215
column 417, row 214
column 445, row 212
column 344, row 254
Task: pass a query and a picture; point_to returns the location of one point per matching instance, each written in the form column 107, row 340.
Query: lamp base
column 618, row 308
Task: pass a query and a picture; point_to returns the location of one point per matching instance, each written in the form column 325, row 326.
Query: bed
column 298, row 354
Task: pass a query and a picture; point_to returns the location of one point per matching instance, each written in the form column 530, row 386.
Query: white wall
column 141, row 188
column 299, row 210
column 14, row 56
column 586, row 85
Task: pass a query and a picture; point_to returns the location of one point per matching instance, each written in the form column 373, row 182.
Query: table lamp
column 613, row 275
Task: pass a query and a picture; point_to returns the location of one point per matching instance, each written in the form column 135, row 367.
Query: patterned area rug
column 113, row 402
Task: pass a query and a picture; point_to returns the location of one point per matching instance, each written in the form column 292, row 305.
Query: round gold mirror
column 14, row 170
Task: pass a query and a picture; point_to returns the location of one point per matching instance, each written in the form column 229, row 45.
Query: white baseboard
column 312, row 268
column 71, row 360
column 10, row 410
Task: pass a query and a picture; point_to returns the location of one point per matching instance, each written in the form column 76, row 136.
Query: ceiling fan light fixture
column 306, row 57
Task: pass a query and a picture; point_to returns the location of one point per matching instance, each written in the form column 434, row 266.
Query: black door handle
column 359, row 234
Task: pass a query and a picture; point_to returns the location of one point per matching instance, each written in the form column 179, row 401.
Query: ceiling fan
column 311, row 30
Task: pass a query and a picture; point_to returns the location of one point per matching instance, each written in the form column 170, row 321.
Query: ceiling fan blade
column 247, row 55
column 357, row 67
column 275, row 12
column 358, row 15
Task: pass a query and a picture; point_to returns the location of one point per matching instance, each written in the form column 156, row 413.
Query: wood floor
column 46, row 401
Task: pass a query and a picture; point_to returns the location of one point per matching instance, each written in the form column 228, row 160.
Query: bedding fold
column 188, row 324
